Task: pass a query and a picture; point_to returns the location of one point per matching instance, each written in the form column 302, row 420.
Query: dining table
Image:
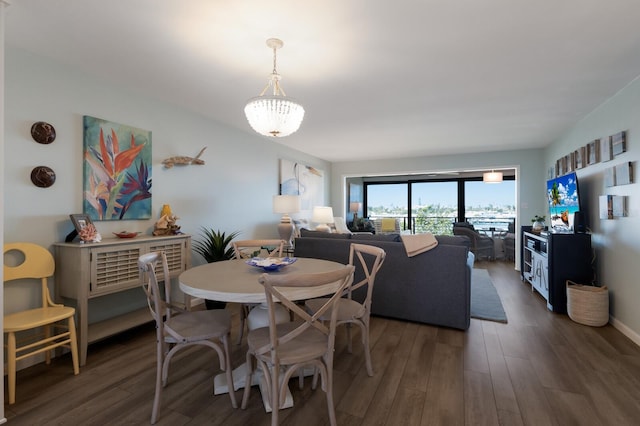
column 236, row 281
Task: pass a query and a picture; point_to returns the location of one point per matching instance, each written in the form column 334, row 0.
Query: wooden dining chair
column 46, row 324
column 177, row 329
column 370, row 259
column 246, row 249
column 281, row 350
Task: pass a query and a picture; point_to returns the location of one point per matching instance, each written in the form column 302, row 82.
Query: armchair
column 481, row 245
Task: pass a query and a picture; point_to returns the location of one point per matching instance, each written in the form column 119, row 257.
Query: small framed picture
column 593, row 152
column 80, row 221
column 619, row 143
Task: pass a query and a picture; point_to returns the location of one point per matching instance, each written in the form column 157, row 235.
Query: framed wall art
column 303, row 180
column 117, row 170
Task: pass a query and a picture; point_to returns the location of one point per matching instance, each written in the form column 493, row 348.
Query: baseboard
column 622, row 328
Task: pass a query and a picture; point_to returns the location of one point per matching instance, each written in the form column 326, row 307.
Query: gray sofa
column 432, row 287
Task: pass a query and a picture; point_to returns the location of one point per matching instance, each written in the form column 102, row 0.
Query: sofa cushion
column 376, row 237
column 318, row 234
column 454, row 240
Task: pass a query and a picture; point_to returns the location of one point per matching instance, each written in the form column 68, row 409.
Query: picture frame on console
column 80, row 221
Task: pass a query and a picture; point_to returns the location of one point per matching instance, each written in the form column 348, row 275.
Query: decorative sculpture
column 166, row 225
column 183, row 161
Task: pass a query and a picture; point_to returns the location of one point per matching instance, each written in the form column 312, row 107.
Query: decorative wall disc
column 43, row 176
column 43, row 132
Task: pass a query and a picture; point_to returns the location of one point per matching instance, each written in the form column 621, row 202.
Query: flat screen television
column 564, row 202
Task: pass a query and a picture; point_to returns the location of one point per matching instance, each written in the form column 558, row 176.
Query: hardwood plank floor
column 539, row 368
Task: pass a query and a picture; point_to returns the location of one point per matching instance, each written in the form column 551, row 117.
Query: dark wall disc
column 43, row 132
column 43, row 176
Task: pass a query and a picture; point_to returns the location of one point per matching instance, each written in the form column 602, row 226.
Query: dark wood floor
column 540, row 368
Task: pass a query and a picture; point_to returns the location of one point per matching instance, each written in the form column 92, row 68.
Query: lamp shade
column 286, row 203
column 274, row 116
column 355, row 207
column 322, row 215
column 492, row 177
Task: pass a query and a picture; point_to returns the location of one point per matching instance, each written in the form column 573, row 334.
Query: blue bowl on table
column 271, row 264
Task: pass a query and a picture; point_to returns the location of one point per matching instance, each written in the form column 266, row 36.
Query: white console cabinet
column 85, row 272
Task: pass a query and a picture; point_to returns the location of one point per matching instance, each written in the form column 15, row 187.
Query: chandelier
column 274, row 114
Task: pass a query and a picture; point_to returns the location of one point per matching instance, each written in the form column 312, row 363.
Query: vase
column 537, row 227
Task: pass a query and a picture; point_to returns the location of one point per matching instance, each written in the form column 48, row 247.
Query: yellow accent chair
column 48, row 331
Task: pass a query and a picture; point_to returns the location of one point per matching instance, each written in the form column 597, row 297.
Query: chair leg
column 228, row 372
column 367, row 351
column 247, row 381
column 11, row 366
column 275, row 394
column 158, row 394
column 329, row 392
column 349, row 346
column 74, row 346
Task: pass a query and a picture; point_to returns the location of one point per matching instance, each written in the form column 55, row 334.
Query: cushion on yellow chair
column 388, row 224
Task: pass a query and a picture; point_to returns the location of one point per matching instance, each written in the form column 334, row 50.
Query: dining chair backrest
column 38, row 263
column 370, row 268
column 274, row 247
column 159, row 302
column 272, row 283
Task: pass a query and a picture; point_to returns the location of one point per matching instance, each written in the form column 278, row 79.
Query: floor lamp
column 285, row 204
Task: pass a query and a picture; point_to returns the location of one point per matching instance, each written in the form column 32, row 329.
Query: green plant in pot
column 215, row 246
column 538, row 224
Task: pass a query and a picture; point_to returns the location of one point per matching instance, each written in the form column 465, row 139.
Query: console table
column 549, row 260
column 88, row 271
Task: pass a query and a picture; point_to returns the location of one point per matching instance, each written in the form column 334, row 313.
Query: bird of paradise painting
column 117, row 170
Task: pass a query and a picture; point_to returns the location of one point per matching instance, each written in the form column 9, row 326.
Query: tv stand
column 548, row 261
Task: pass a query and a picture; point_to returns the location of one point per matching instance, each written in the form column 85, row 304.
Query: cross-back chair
column 177, row 329
column 47, row 322
column 370, row 260
column 244, row 249
column 281, row 350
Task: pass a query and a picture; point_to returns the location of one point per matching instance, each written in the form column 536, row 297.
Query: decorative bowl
column 125, row 234
column 271, row 264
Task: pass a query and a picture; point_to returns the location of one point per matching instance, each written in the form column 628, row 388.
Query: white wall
column 617, row 241
column 232, row 191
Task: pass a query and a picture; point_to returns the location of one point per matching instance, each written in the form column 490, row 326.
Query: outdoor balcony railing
column 443, row 225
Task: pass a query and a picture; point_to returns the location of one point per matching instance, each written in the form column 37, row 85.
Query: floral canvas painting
column 117, row 170
column 303, row 180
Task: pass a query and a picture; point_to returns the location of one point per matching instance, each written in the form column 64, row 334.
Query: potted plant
column 215, row 246
column 538, row 224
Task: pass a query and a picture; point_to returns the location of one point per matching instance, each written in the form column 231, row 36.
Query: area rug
column 485, row 301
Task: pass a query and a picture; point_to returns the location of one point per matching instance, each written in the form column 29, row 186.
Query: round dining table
column 237, row 282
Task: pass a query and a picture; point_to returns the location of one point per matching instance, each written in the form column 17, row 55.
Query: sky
column 445, row 194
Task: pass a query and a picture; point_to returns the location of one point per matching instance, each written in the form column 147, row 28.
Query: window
column 435, row 204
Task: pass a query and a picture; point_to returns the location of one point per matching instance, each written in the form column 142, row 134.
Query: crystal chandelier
column 274, row 115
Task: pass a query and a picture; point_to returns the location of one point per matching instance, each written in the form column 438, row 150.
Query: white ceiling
column 378, row 79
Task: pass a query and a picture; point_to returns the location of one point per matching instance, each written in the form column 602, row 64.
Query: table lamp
column 286, row 204
column 354, row 208
column 322, row 215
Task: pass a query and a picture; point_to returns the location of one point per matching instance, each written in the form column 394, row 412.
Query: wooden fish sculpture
column 182, row 160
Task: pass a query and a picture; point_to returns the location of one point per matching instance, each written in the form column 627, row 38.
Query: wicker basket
column 587, row 304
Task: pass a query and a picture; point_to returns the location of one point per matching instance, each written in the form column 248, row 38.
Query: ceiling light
column 492, row 177
column 274, row 115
